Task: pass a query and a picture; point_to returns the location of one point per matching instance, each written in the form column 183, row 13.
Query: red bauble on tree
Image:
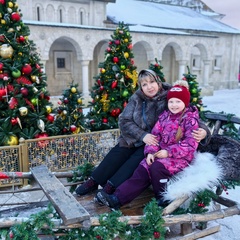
column 157, row 235
column 1, row 66
column 2, row 93
column 115, row 60
column 73, row 128
column 50, row 118
column 114, row 84
column 15, row 16
column 24, row 92
column 26, row 69
column 14, row 121
column 105, row 120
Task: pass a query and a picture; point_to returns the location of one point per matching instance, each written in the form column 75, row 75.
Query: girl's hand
column 199, row 134
column 150, row 159
column 161, row 154
column 150, row 139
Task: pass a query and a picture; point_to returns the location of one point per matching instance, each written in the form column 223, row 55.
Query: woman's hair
column 148, row 73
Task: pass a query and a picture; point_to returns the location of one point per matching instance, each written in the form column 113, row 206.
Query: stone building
column 72, row 36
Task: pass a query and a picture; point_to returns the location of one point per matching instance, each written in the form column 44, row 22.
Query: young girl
column 174, row 151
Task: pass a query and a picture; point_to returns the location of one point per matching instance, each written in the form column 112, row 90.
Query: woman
column 135, row 123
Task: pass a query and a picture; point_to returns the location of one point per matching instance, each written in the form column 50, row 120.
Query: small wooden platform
column 70, row 210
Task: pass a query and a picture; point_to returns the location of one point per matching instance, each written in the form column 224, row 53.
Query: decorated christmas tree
column 115, row 83
column 194, row 89
column 24, row 101
column 69, row 117
column 157, row 68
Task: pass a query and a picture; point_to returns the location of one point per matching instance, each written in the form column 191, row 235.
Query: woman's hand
column 199, row 134
column 150, row 159
column 150, row 139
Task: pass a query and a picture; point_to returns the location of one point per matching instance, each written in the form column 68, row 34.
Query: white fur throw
column 203, row 173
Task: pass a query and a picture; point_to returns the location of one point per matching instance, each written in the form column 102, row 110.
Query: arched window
column 81, row 17
column 38, row 14
column 60, row 15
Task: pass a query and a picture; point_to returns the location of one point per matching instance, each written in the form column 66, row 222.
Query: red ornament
column 50, row 118
column 2, row 93
column 114, row 84
column 101, row 88
column 26, row 69
column 14, row 121
column 157, row 235
column 118, row 111
column 117, row 42
column 125, row 104
column 130, row 46
column 73, row 128
column 105, row 120
column 24, row 91
column 115, row 60
column 108, row 49
column 11, row 235
column 1, row 66
column 184, row 78
column 21, row 39
column 23, row 80
column 41, row 135
column 15, row 17
column 156, row 65
column 66, row 101
column 65, row 130
column 113, row 113
column 99, row 82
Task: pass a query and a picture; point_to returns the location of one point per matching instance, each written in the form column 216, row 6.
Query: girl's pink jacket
column 181, row 153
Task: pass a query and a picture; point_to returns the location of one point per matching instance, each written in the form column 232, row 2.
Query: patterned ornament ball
column 23, row 111
column 6, row 51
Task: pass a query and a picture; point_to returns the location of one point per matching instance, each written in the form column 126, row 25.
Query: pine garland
column 151, row 227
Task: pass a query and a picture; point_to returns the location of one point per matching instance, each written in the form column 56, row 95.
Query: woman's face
column 149, row 86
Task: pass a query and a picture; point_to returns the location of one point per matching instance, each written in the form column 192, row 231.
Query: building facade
column 71, row 37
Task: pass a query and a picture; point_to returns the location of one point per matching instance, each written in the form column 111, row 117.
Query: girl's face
column 175, row 105
column 149, row 86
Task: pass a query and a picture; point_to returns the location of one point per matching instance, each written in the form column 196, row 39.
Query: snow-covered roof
column 157, row 15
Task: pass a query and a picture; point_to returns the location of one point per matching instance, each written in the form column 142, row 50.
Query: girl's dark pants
column 118, row 165
column 140, row 180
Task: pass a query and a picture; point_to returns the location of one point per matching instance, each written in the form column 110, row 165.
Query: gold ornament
column 13, row 140
column 6, row 51
column 79, row 101
column 10, row 30
column 105, row 105
column 133, row 76
column 23, row 111
column 41, row 125
column 125, row 40
column 73, row 90
column 10, row 4
column 75, row 116
column 126, row 55
column 3, row 22
column 48, row 109
column 33, row 78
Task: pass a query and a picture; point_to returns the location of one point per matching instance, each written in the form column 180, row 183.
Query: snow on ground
column 227, row 101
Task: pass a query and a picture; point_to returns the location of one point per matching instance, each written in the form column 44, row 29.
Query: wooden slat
column 70, row 210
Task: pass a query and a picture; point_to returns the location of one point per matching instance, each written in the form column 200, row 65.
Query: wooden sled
column 82, row 212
